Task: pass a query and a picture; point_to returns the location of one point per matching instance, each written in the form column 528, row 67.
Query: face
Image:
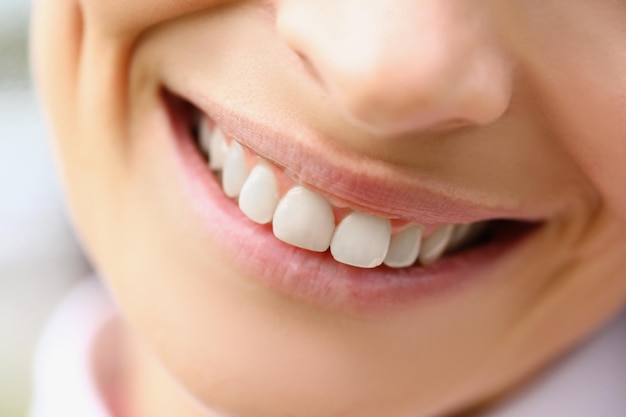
column 275, row 191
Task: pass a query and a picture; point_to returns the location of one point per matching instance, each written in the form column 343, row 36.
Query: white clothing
column 64, row 381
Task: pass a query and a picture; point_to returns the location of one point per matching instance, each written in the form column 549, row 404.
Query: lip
column 370, row 185
column 316, row 278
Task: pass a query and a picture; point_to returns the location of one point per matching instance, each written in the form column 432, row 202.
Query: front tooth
column 304, row 219
column 404, row 247
column 235, row 171
column 218, row 150
column 361, row 240
column 259, row 195
column 435, row 245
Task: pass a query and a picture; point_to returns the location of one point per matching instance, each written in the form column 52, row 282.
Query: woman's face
column 391, row 114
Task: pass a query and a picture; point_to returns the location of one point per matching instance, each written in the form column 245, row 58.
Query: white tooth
column 468, row 233
column 461, row 231
column 361, row 240
column 235, row 171
column 218, row 150
column 204, row 135
column 304, row 219
column 259, row 195
column 435, row 245
column 404, row 247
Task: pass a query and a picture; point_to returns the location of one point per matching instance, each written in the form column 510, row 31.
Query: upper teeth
column 259, row 195
column 305, row 219
column 235, row 173
column 404, row 247
column 361, row 240
column 435, row 245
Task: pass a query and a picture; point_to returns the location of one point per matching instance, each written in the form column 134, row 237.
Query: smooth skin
column 516, row 102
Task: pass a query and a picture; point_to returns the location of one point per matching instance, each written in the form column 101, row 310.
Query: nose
column 405, row 65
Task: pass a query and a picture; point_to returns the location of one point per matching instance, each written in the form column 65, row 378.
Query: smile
column 323, row 245
column 305, row 219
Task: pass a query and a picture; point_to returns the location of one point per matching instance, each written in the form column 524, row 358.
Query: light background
column 39, row 257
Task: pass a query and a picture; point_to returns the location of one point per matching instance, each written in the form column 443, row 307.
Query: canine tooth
column 435, row 245
column 218, row 150
column 404, row 247
column 361, row 240
column 304, row 219
column 259, row 195
column 235, row 171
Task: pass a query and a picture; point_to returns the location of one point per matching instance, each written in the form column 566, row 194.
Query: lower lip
column 316, row 278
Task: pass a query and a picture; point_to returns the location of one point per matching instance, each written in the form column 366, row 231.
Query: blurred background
column 39, row 256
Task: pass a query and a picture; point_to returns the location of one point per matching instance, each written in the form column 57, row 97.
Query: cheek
column 591, row 119
column 576, row 64
column 126, row 19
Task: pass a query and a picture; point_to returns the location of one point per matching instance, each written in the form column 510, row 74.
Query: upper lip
column 360, row 182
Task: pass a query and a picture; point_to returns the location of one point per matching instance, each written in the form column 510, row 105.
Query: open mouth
column 320, row 228
column 306, row 219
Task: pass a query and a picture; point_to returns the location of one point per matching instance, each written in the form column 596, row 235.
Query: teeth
column 213, row 143
column 460, row 233
column 435, row 245
column 404, row 247
column 465, row 233
column 204, row 135
column 235, row 171
column 218, row 150
column 259, row 195
column 304, row 219
column 361, row 240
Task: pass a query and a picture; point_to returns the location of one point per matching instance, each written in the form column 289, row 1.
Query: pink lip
column 313, row 277
column 371, row 186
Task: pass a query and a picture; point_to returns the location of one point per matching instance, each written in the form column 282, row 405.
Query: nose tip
column 392, row 95
column 395, row 68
